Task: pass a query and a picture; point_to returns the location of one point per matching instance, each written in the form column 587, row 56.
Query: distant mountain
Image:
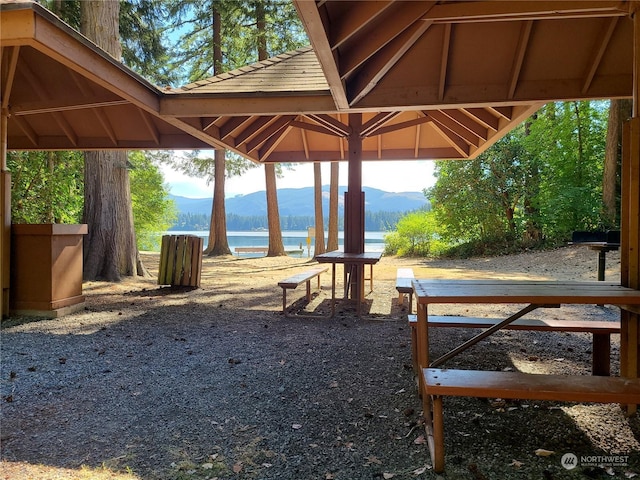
column 299, row 202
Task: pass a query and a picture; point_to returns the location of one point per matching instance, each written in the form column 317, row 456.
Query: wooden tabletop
column 342, row 257
column 523, row 291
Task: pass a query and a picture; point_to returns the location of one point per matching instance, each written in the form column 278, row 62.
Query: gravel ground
column 150, row 382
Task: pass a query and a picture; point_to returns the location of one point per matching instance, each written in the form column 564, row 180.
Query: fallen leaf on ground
column 207, row 466
column 296, row 426
column 541, row 452
column 516, row 463
column 420, row 440
column 237, row 468
column 372, row 459
column 387, row 476
column 420, row 471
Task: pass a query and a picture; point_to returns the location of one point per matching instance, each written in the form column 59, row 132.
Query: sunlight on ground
column 26, row 471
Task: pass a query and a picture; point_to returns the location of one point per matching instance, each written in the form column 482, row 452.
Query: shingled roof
column 295, row 71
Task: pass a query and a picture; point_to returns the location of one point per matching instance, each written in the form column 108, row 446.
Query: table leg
column 333, row 289
column 629, row 345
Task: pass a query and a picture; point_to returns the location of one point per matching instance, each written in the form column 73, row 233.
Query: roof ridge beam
column 464, row 12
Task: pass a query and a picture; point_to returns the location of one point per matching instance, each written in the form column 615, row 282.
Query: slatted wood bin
column 180, row 260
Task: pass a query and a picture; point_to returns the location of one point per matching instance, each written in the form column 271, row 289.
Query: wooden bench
column 295, row 280
column 601, row 349
column 240, row 250
column 513, row 385
column 404, row 277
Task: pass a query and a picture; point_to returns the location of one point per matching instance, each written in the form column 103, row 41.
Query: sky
column 395, row 176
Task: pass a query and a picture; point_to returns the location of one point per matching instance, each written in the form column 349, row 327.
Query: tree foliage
column 153, row 211
column 47, row 187
column 533, row 187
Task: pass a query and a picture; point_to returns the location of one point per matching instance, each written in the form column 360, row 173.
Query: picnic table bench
column 404, row 279
column 601, row 330
column 240, row 250
column 293, row 282
column 513, row 385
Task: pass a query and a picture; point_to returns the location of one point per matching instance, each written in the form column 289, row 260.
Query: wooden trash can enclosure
column 46, row 269
column 180, row 260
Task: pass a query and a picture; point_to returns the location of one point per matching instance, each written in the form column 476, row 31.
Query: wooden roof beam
column 607, row 33
column 444, row 61
column 445, row 121
column 504, row 112
column 251, row 130
column 402, row 125
column 469, row 123
column 485, row 117
column 153, row 131
column 375, row 69
column 272, row 129
column 394, row 24
column 331, row 123
column 467, row 11
column 369, row 128
column 521, row 49
column 8, row 72
column 458, row 144
column 28, row 131
column 281, row 128
column 310, row 17
column 232, row 124
column 360, row 14
column 314, row 127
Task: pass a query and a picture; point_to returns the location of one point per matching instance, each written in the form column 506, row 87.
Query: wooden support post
column 5, row 217
column 354, row 207
column 630, row 220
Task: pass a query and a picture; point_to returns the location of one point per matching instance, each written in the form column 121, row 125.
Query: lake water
column 293, row 241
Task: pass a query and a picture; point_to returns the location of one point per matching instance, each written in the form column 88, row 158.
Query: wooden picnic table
column 434, row 383
column 534, row 294
column 353, row 263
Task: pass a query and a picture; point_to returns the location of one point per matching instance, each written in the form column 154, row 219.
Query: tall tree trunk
column 218, row 242
column 276, row 247
column 619, row 112
column 317, row 190
column 332, row 237
column 110, row 250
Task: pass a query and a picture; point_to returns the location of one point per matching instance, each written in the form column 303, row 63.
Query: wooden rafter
column 360, row 15
column 598, row 53
column 521, row 49
column 463, row 12
column 504, row 112
column 231, row 124
column 331, row 123
column 402, row 125
column 106, row 125
column 369, row 128
column 380, row 64
column 314, row 127
column 153, row 131
column 394, row 24
column 310, row 16
column 305, row 142
column 8, row 73
column 272, row 142
column 50, row 106
column 456, row 142
column 28, row 131
column 416, row 147
column 250, row 130
column 485, row 117
column 468, row 123
column 444, row 60
column 447, row 122
column 270, row 130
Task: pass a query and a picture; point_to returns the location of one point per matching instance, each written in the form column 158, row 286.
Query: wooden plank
column 197, row 262
column 185, row 278
column 519, row 385
column 179, row 260
column 586, row 326
column 164, row 260
column 295, row 280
